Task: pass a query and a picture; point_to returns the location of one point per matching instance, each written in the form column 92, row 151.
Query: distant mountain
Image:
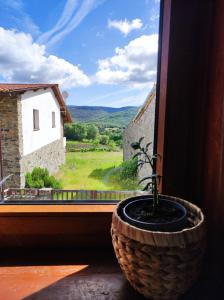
column 101, row 115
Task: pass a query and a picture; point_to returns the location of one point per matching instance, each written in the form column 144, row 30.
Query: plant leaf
column 141, row 139
column 135, row 145
column 145, row 178
column 147, row 146
column 146, row 188
column 137, row 154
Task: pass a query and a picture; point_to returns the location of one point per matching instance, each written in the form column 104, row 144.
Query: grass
column 93, row 171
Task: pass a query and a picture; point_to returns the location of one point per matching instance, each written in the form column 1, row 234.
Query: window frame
column 36, row 120
column 53, row 119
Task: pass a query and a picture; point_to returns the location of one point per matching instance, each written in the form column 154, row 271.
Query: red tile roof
column 22, row 88
column 13, row 87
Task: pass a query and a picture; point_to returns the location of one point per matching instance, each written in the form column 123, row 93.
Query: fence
column 67, row 195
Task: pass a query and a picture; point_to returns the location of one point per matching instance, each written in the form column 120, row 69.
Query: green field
column 92, row 171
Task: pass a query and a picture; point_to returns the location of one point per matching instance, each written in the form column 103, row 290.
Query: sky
column 102, row 52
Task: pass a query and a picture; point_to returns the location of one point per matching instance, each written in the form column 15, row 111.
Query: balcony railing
column 26, row 195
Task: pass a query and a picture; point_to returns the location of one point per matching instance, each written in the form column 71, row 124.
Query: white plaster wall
column 46, row 103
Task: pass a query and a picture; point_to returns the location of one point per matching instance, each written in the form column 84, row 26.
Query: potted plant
column 159, row 240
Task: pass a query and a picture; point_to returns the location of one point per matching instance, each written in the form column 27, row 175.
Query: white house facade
column 32, row 120
column 45, row 102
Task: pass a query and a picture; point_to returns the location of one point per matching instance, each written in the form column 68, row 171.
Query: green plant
column 91, row 132
column 75, row 131
column 40, row 178
column 129, row 169
column 154, row 179
column 112, row 145
column 96, row 142
column 104, row 139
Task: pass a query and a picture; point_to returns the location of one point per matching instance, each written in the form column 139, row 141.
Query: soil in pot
column 169, row 216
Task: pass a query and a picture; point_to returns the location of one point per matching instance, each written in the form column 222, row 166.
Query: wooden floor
column 77, row 275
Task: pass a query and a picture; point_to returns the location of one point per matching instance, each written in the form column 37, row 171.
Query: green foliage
column 92, row 132
column 68, row 131
column 96, row 142
column 104, row 139
column 40, row 178
column 103, row 116
column 50, row 181
column 129, row 169
column 79, row 132
column 153, row 179
column 75, row 131
column 112, row 145
column 120, row 177
column 126, row 174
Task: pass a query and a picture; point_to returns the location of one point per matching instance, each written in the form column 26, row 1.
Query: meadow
column 93, row 171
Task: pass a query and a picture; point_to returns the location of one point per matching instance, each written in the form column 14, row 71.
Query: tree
column 92, row 132
column 104, row 139
column 68, row 131
column 75, row 132
column 79, row 132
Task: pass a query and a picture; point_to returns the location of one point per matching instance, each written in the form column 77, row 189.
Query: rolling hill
column 104, row 116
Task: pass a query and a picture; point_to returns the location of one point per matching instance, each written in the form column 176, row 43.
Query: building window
column 36, row 119
column 53, row 119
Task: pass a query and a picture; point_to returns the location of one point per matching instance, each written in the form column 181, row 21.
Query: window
column 53, row 119
column 36, row 119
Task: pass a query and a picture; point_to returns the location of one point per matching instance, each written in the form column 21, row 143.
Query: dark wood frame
column 190, row 108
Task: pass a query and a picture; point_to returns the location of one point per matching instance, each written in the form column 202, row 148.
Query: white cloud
column 22, row 60
column 133, row 65
column 69, row 20
column 65, row 17
column 125, row 26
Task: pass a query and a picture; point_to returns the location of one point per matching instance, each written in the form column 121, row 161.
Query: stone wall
column 141, row 126
column 11, row 146
column 50, row 157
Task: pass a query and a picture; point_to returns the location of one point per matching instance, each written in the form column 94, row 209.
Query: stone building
column 142, row 125
column 31, row 123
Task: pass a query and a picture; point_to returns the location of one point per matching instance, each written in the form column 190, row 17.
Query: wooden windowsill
column 55, row 209
column 55, row 226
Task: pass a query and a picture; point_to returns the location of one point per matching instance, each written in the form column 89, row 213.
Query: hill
column 104, row 116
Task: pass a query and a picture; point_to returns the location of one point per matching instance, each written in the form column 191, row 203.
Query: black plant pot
column 171, row 225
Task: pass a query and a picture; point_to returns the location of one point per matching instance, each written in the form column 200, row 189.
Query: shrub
column 68, row 131
column 75, row 132
column 52, row 182
column 96, row 142
column 40, row 178
column 92, row 132
column 104, row 139
column 129, row 169
column 112, row 145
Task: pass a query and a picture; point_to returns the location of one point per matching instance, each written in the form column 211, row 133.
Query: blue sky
column 102, row 52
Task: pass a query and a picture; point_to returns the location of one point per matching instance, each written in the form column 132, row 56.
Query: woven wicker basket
column 160, row 265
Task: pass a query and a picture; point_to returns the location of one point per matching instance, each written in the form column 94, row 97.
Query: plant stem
column 155, row 194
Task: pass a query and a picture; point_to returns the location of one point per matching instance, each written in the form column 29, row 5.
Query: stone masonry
column 49, row 156
column 141, row 126
column 9, row 125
